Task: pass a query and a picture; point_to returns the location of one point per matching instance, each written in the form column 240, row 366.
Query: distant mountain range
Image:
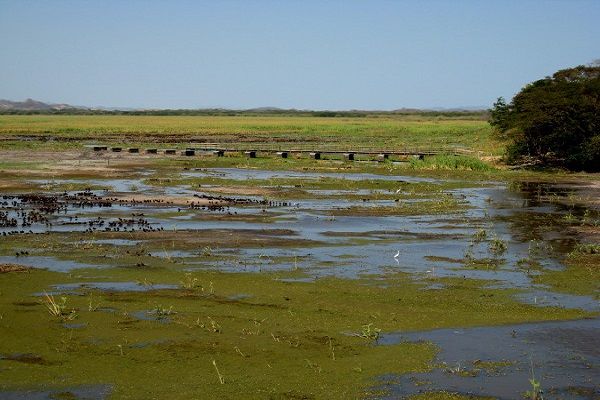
column 34, row 105
column 39, row 106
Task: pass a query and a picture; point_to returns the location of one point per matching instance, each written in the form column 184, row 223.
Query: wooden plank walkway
column 249, row 150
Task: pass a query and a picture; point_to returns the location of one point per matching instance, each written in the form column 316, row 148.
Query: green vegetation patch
column 219, row 335
column 426, row 207
column 286, row 132
column 451, row 162
column 581, row 275
column 443, row 395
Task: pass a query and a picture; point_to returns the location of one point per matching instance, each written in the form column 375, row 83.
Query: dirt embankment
column 5, row 268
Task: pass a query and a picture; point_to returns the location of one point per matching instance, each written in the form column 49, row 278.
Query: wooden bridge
column 252, row 151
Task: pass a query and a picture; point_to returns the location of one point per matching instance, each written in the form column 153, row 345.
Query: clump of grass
column 497, row 246
column 189, row 282
column 370, row 333
column 458, row 369
column 570, row 218
column 479, row 236
column 58, row 309
column 538, row 248
column 93, row 304
column 536, row 392
column 145, row 283
column 212, row 326
column 588, row 219
column 586, row 248
column 162, row 312
column 450, row 162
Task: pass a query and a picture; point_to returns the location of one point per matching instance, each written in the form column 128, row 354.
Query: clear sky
column 292, row 54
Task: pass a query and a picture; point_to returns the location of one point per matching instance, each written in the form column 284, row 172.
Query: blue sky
column 291, row 54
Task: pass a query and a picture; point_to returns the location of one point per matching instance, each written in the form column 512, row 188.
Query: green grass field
column 376, row 131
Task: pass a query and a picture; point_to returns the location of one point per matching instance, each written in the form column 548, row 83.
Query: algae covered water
column 346, row 270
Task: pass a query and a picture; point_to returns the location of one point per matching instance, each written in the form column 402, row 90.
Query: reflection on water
column 498, row 361
column 516, row 216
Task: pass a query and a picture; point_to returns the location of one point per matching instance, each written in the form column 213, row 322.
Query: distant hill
column 34, row 105
column 31, row 106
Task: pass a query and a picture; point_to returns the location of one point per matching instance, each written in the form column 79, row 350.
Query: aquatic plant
column 212, row 326
column 257, row 328
column 221, row 377
column 538, row 248
column 237, row 350
column 162, row 312
column 585, row 248
column 497, row 246
column 456, row 370
column 569, row 217
column 167, row 255
column 315, row 367
column 189, row 282
column 331, row 349
column 93, row 305
column 58, row 308
column 536, row 392
column 370, row 333
column 146, row 283
column 479, row 236
column 468, row 255
column 207, row 251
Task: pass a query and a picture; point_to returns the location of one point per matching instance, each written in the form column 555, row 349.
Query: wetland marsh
column 138, row 277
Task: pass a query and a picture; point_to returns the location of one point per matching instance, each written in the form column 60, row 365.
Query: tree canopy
column 555, row 120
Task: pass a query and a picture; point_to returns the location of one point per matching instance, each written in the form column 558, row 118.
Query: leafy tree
column 555, row 120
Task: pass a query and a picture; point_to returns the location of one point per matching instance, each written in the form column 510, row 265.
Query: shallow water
column 526, row 218
column 46, row 262
column 82, row 392
column 112, row 286
column 263, row 174
column 428, row 246
column 564, row 355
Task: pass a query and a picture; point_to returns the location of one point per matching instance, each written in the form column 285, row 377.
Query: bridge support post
column 315, row 155
column 219, row 153
column 383, row 156
column 282, row 154
column 349, row 156
column 250, row 153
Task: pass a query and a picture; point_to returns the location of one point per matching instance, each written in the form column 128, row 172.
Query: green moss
column 428, row 207
column 280, row 338
column 581, row 275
